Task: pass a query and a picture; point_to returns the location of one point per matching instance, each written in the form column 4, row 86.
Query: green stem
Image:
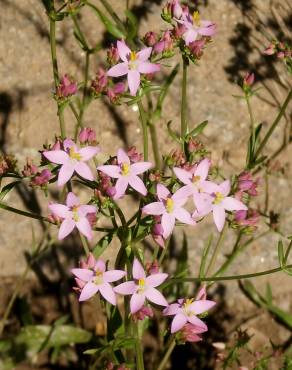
column 184, row 125
column 250, row 112
column 113, row 14
column 23, row 213
column 54, row 52
column 139, row 351
column 153, row 135
column 143, row 119
column 85, row 245
column 274, row 125
column 62, row 121
column 216, row 250
column 169, row 351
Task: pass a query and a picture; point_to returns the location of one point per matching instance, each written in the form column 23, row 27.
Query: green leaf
column 132, row 28
column 114, row 323
column 6, row 189
column 172, row 133
column 197, row 130
column 110, row 27
column 102, row 244
column 281, row 253
column 269, row 294
column 48, row 4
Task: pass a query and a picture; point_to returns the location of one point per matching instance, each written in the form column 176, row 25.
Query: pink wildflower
column 133, row 64
column 247, row 218
column 67, row 87
column 98, row 280
column 186, row 311
column 196, row 183
column 134, row 155
column 126, row 173
column 170, row 208
column 43, row 178
column 87, row 135
column 72, row 159
column 191, row 333
column 142, row 313
column 73, row 214
column 247, row 184
column 99, row 84
column 142, row 288
column 218, row 202
column 195, row 27
column 150, row 38
column 157, row 235
column 115, row 92
column 172, row 9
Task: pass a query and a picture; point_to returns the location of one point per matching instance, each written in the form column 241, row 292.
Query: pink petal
column 83, row 274
column 129, row 287
column 121, row 187
column 167, row 222
column 84, row 171
column 99, row 265
column 84, row 227
column 136, row 302
column 147, row 67
column 133, row 81
column 110, row 170
column 155, row 280
column 138, row 270
column 123, row 157
column 153, row 295
column 203, row 202
column 203, row 169
column 198, row 322
column 183, row 175
column 178, row 322
column 113, row 275
column 201, row 306
column 123, row 50
column 155, row 209
column 88, row 291
column 68, row 143
column 209, row 187
column 59, row 210
column 72, row 200
column 181, row 195
column 183, row 216
column 208, row 29
column 66, row 228
column 144, row 54
column 88, row 152
column 232, row 204
column 171, row 310
column 118, row 70
column 225, row 187
column 86, row 208
column 107, row 292
column 138, row 185
column 57, row 156
column 140, row 167
column 189, row 36
column 219, row 217
column 162, row 192
column 65, row 173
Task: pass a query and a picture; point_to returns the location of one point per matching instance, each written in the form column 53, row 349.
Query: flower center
column 218, row 198
column 169, row 205
column 125, row 169
column 133, row 60
column 141, row 285
column 196, row 179
column 98, row 279
column 75, row 213
column 74, row 155
column 197, row 18
column 186, row 305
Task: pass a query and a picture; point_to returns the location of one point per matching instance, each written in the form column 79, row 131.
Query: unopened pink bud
column 43, row 178
column 150, row 38
column 142, row 313
column 87, row 135
column 67, row 87
column 248, row 79
column 134, row 155
column 113, row 55
column 29, row 169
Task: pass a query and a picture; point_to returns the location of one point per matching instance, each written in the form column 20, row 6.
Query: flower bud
column 113, row 55
column 67, row 87
column 150, row 38
column 134, row 155
column 87, row 136
column 29, row 169
column 248, row 79
column 100, row 82
column 42, row 179
column 142, row 313
column 115, row 92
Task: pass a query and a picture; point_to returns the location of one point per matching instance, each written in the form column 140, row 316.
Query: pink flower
column 170, row 208
column 126, row 173
column 115, row 92
column 247, row 184
column 72, row 159
column 98, row 280
column 73, row 214
column 43, row 178
column 87, row 135
column 186, row 311
column 247, row 218
column 150, row 38
column 133, row 64
column 142, row 288
column 195, row 27
column 157, row 235
column 142, row 313
column 191, row 333
column 196, row 183
column 67, row 87
column 218, row 202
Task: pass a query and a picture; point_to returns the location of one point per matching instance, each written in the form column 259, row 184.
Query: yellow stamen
column 186, row 305
column 74, row 155
column 141, row 285
column 75, row 213
column 98, row 277
column 218, row 198
column 196, row 179
column 169, row 205
column 196, row 18
column 125, row 167
column 133, row 56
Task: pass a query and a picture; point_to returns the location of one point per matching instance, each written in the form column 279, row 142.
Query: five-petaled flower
column 142, row 288
column 170, row 207
column 72, row 159
column 218, row 202
column 186, row 311
column 73, row 214
column 126, row 174
column 194, row 27
column 133, row 64
column 97, row 280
